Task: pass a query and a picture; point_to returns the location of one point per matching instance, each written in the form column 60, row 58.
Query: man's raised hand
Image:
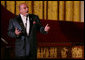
column 47, row 28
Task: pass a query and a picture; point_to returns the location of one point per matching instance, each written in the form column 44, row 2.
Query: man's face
column 23, row 9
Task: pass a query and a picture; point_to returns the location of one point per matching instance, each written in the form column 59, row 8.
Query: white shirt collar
column 22, row 15
column 24, row 22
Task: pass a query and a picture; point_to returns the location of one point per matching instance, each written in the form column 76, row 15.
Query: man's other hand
column 17, row 32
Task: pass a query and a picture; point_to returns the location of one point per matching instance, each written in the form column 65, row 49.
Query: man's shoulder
column 33, row 15
column 14, row 18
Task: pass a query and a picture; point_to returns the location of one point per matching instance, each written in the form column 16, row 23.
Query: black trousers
column 31, row 56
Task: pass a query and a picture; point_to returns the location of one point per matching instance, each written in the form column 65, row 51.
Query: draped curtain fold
column 49, row 10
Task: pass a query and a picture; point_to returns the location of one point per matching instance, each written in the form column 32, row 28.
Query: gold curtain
column 49, row 10
column 52, row 10
column 76, row 11
column 38, row 9
column 69, row 11
column 3, row 3
column 45, row 9
column 17, row 6
column 29, row 3
column 10, row 6
column 61, row 10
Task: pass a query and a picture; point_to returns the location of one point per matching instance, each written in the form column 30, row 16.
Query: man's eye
column 24, row 8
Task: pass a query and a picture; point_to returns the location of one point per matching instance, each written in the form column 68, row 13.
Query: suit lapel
column 31, row 23
column 19, row 20
column 31, row 20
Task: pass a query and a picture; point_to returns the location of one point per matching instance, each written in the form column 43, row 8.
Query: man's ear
column 20, row 10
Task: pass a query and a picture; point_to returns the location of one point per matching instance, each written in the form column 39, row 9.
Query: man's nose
column 26, row 8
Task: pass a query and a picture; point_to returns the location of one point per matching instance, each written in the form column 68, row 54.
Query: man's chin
column 26, row 13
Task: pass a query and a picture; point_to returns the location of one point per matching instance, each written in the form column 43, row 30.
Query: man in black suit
column 24, row 27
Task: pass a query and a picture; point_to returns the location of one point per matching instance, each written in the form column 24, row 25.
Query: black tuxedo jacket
column 25, row 44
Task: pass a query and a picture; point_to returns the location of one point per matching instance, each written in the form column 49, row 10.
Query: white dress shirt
column 24, row 22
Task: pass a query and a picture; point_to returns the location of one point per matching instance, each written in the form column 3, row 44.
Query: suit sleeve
column 39, row 26
column 11, row 30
